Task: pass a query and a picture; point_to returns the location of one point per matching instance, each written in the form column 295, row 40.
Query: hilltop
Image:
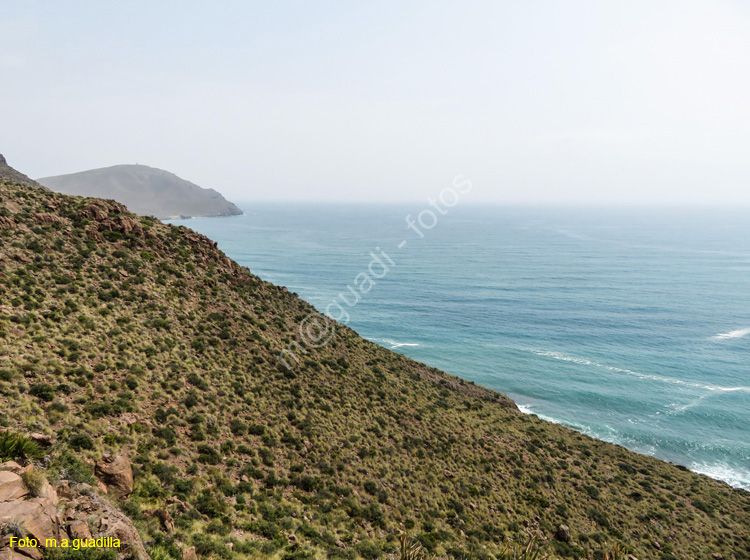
column 124, row 336
column 145, row 190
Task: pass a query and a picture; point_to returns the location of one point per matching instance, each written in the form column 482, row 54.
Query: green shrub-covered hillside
column 124, row 335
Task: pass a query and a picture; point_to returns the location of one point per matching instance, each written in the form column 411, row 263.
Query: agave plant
column 412, row 550
column 531, row 551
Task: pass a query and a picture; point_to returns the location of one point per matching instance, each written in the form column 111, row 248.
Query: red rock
column 11, row 466
column 116, row 474
column 12, row 487
column 79, row 529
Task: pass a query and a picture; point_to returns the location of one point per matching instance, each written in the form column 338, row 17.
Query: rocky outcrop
column 75, row 512
column 100, row 210
column 116, row 475
column 103, row 520
column 36, row 517
column 48, row 218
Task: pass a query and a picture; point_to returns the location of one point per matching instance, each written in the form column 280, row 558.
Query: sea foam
column 739, row 333
column 393, row 343
column 733, row 477
column 651, row 377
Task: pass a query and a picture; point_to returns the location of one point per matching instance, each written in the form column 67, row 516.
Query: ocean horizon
column 631, row 325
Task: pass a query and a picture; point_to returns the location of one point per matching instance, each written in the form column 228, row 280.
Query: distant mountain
column 145, row 190
column 9, row 174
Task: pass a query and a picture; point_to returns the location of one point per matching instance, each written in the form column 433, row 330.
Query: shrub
column 208, row 455
column 598, row 517
column 81, row 441
column 703, row 506
column 35, row 481
column 592, row 491
column 197, row 433
column 195, row 380
column 80, row 554
column 57, row 406
column 369, row 550
column 42, row 391
column 167, row 434
column 161, row 553
column 71, row 467
column 298, row 555
column 207, row 504
column 238, row 427
column 17, row 446
column 257, row 429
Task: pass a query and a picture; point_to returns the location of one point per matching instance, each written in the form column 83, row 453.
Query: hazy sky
column 534, row 101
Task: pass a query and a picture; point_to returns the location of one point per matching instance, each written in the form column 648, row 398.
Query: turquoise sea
column 631, row 325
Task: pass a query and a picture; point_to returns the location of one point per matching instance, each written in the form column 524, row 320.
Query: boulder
column 11, row 466
column 79, row 529
column 562, row 534
column 166, row 520
column 10, row 554
column 189, row 554
column 116, row 474
column 42, row 439
column 63, row 490
column 12, row 487
column 38, row 517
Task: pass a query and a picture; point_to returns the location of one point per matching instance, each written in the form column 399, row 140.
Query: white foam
column 724, row 473
column 611, row 434
column 739, row 333
column 651, row 377
column 394, row 343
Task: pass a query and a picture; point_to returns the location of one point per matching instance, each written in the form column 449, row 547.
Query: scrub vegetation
column 124, row 335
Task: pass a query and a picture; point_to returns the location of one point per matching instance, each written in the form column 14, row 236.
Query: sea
column 631, row 325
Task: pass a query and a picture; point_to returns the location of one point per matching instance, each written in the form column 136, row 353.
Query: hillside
column 123, row 335
column 144, row 190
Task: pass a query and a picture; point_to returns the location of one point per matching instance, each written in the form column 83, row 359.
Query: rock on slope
column 145, row 190
column 123, row 335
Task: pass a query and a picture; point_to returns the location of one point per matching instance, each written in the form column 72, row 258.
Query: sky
column 534, row 101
